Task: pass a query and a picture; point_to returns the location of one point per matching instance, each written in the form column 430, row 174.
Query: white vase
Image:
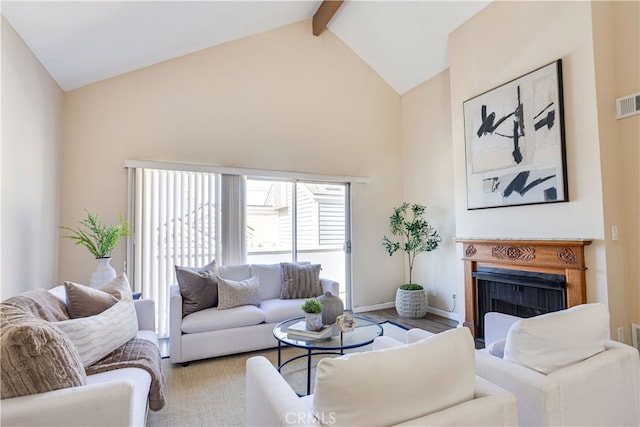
column 103, row 274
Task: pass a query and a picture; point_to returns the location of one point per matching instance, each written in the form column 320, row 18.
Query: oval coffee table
column 365, row 331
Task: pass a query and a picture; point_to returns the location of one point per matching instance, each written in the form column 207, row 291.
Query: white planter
column 103, row 274
column 411, row 304
column 313, row 321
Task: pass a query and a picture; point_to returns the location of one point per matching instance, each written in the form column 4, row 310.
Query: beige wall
column 626, row 27
column 627, row 58
column 506, row 40
column 282, row 100
column 31, row 140
column 616, row 38
column 428, row 179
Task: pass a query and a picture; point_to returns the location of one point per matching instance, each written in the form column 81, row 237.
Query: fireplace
column 515, row 292
column 521, row 277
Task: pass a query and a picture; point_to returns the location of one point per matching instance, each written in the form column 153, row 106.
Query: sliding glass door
column 312, row 226
column 189, row 218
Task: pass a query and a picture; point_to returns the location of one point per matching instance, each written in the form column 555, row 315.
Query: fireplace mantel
column 552, row 256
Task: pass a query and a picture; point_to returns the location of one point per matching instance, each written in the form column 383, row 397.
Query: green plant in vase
column 413, row 235
column 100, row 240
column 313, row 314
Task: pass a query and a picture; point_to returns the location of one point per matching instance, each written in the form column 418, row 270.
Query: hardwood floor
column 430, row 322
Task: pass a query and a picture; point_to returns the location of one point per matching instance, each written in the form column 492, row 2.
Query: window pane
column 269, row 221
column 321, row 228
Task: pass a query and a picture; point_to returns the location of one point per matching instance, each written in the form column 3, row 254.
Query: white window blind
column 175, row 221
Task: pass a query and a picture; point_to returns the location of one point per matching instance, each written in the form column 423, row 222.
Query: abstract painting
column 515, row 146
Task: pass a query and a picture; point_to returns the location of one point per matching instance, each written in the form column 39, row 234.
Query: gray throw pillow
column 300, row 281
column 84, row 301
column 198, row 287
column 234, row 294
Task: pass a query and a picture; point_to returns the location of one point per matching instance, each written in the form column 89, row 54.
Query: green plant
column 414, row 232
column 411, row 287
column 98, row 238
column 312, row 305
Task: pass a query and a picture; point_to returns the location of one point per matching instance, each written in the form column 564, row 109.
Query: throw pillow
column 96, row 336
column 300, row 281
column 233, row 294
column 40, row 303
column 36, row 357
column 198, row 287
column 84, row 301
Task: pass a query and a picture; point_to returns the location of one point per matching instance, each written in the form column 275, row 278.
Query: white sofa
column 212, row 332
column 430, row 382
column 563, row 368
column 114, row 398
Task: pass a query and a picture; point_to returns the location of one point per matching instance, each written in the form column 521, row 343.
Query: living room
column 287, row 100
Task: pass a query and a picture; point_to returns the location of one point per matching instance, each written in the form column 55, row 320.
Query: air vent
column 627, row 106
column 635, row 335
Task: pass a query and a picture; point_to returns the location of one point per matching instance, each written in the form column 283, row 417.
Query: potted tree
column 312, row 308
column 100, row 240
column 414, row 235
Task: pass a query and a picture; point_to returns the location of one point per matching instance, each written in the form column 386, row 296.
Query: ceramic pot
column 103, row 274
column 332, row 307
column 411, row 303
column 313, row 321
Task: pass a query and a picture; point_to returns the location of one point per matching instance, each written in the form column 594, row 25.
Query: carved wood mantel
column 565, row 257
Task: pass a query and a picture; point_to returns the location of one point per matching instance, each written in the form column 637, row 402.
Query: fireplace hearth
column 521, row 277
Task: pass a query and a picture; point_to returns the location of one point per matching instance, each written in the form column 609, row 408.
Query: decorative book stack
column 299, row 331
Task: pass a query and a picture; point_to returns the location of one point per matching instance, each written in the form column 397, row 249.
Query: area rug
column 212, row 392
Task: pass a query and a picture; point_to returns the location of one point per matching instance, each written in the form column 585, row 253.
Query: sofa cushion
column 300, row 280
column 213, row 319
column 406, row 382
column 277, row 310
column 40, row 303
column 96, row 336
column 233, row 293
column 36, row 357
column 83, row 301
column 234, row 272
column 555, row 340
column 270, row 280
column 198, row 287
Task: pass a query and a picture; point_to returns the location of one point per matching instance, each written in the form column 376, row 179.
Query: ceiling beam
column 323, row 15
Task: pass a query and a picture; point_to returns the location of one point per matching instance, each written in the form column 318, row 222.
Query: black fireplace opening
column 516, row 292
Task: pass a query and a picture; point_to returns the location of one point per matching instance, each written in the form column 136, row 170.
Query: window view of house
column 319, row 217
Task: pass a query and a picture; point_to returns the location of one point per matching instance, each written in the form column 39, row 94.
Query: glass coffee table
column 365, row 331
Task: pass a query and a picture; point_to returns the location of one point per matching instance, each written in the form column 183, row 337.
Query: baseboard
column 432, row 310
column 442, row 313
column 374, row 307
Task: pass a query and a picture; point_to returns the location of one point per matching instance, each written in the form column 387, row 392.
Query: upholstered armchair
column 430, row 382
column 563, row 368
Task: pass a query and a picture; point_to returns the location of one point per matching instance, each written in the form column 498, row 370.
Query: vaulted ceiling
column 81, row 42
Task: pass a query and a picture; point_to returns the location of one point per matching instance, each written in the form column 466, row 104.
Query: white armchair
column 563, row 368
column 430, row 382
